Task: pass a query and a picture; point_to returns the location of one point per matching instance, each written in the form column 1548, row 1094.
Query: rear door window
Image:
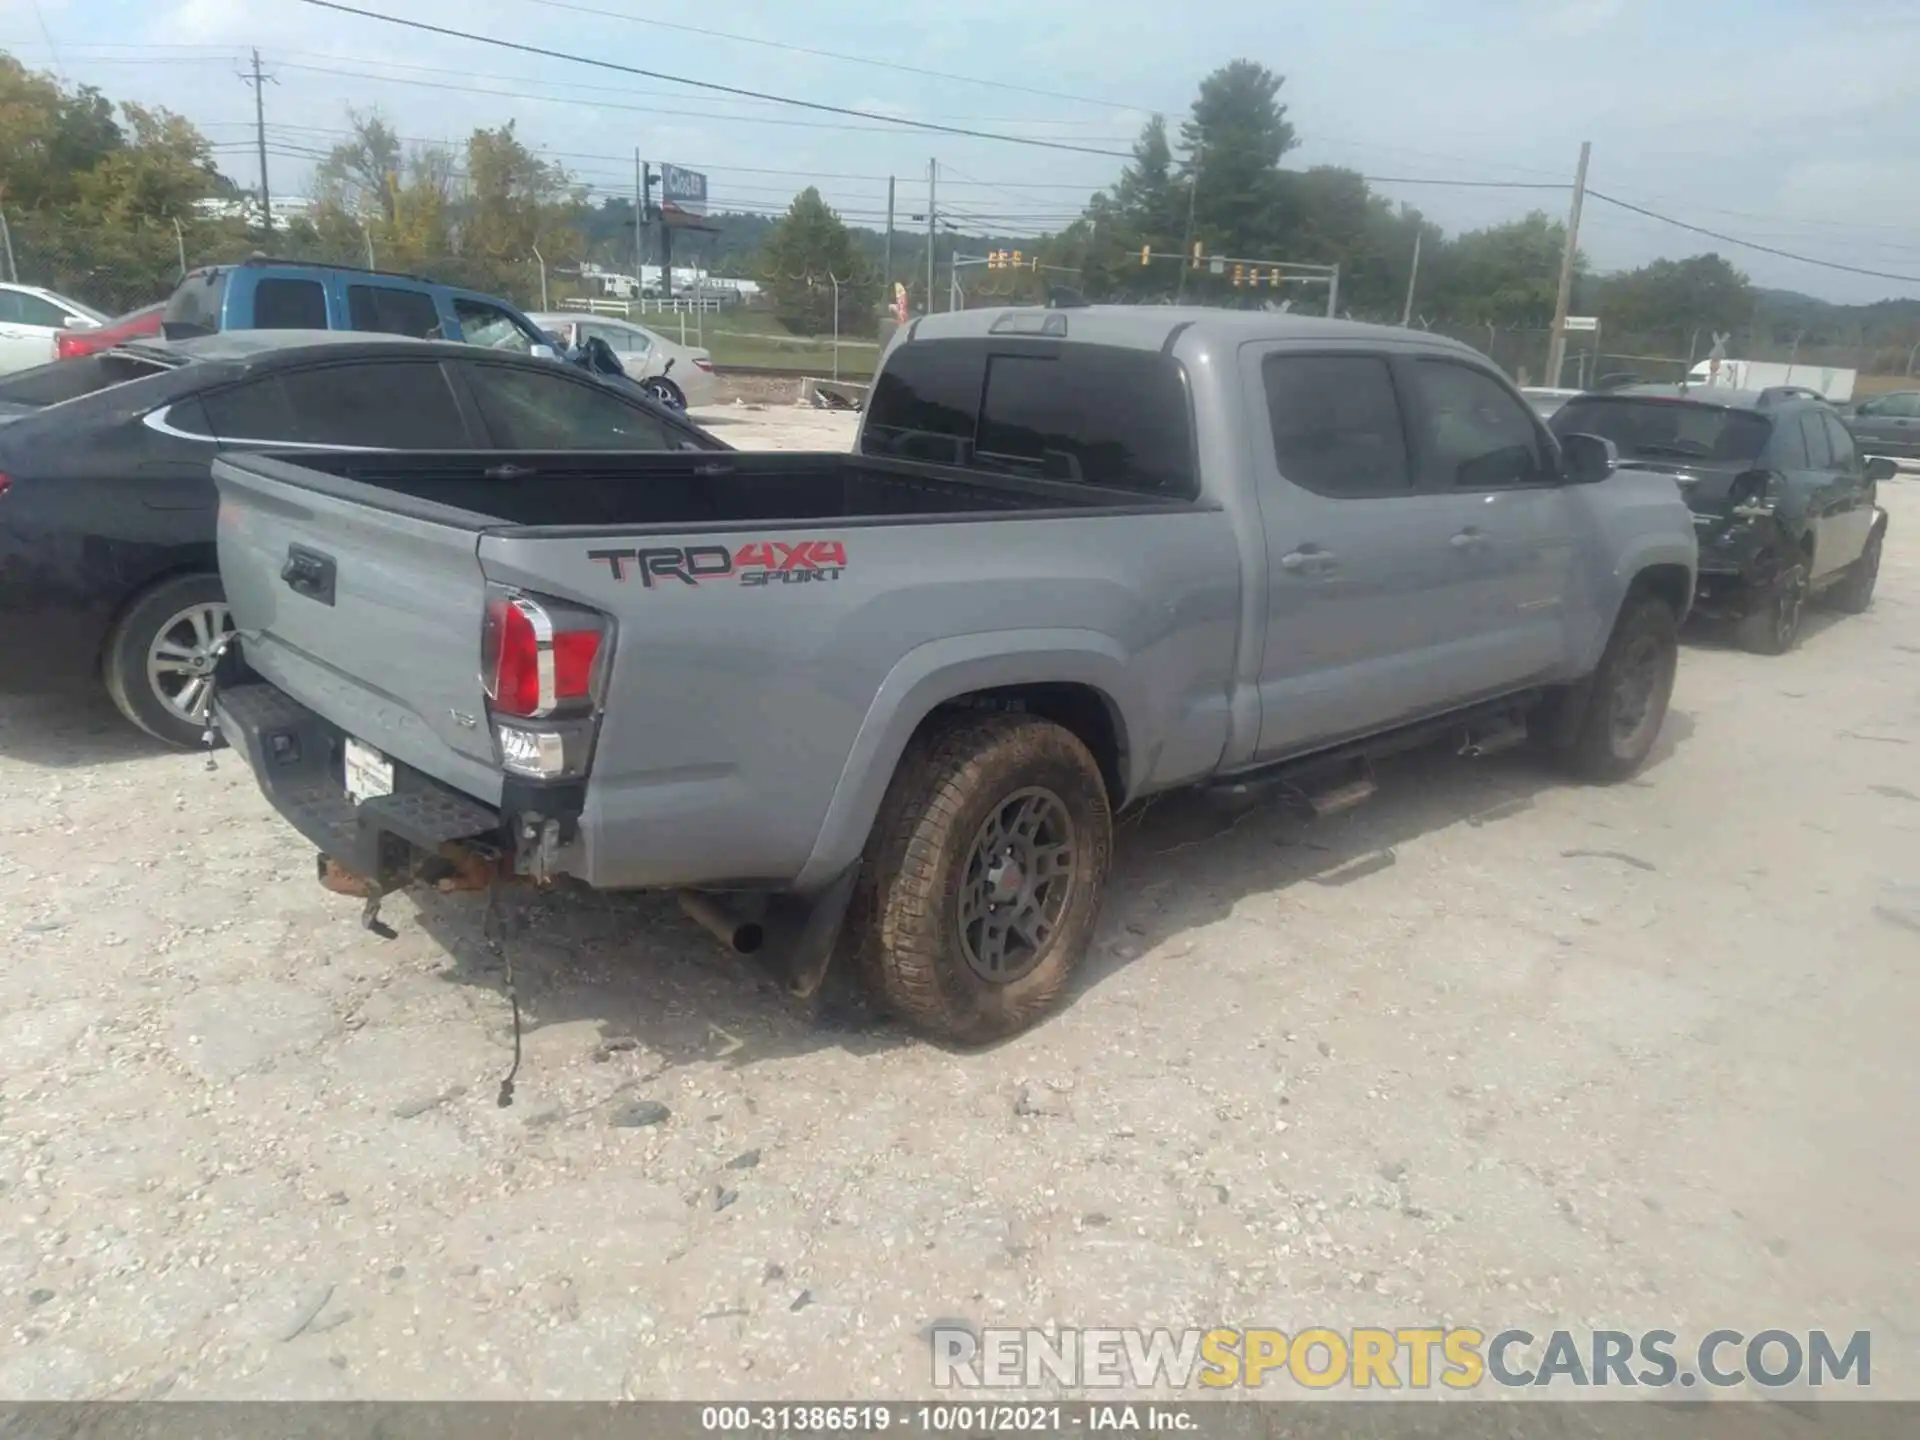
column 1086, row 414
column 1819, row 447
column 394, row 405
column 282, row 304
column 19, row 308
column 1788, row 449
column 490, row 327
column 533, row 409
column 1337, row 427
column 1845, row 456
column 388, row 310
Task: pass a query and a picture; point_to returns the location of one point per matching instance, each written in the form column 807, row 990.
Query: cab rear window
column 1098, row 415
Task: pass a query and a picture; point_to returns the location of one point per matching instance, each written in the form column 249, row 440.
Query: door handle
column 1306, row 560
column 1468, row 539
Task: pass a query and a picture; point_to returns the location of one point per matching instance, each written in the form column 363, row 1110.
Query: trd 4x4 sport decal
column 760, row 562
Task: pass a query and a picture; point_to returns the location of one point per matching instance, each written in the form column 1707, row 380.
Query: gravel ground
column 1489, row 1049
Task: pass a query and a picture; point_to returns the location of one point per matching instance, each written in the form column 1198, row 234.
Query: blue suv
column 263, row 294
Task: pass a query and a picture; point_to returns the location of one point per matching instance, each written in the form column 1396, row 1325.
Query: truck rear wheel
column 987, row 866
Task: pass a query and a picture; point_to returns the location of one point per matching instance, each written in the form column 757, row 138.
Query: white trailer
column 1835, row 384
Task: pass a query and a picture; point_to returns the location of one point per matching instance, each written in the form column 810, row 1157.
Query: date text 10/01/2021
column 963, row 1419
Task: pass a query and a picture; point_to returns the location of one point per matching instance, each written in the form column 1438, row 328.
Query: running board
column 1485, row 729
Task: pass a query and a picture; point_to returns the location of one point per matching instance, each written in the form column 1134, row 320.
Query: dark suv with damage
column 1784, row 505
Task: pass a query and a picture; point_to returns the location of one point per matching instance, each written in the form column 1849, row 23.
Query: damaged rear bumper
column 423, row 832
column 428, row 833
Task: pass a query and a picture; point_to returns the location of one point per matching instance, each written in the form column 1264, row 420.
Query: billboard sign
column 683, row 190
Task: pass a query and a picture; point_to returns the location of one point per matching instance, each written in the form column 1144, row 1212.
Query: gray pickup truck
column 1077, row 558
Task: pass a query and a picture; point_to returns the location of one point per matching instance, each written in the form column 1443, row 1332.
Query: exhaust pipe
column 743, row 937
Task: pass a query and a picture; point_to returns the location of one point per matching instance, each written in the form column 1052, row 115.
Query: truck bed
column 769, row 613
column 494, row 490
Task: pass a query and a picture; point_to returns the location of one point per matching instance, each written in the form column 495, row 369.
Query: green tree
column 361, row 174
column 1234, row 140
column 1674, row 297
column 801, row 259
column 1505, row 275
column 516, row 201
column 101, row 203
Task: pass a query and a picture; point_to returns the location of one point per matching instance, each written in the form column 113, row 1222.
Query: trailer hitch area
column 454, row 867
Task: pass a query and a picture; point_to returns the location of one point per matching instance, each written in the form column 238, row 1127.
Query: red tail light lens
column 539, row 658
column 68, row 347
column 6, row 483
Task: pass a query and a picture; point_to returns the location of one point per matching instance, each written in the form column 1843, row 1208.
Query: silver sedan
column 643, row 354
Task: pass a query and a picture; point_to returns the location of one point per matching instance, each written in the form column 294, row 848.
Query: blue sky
column 1780, row 121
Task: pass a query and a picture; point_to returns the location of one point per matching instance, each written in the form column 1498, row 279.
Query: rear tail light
column 67, row 347
column 6, row 482
column 543, row 665
column 700, row 364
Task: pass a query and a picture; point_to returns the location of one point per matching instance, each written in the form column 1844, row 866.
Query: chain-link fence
column 116, row 269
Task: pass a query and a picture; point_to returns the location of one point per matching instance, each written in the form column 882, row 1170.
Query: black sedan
column 108, row 570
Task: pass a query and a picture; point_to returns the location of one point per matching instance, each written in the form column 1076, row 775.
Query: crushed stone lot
column 1491, row 1049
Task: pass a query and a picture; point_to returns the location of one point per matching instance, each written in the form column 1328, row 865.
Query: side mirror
column 544, row 352
column 1867, row 407
column 1588, row 459
column 1880, row 467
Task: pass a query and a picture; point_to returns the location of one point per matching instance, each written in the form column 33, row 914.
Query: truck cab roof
column 1159, row 327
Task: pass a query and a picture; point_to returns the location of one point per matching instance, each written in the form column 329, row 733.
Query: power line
column 1756, row 245
column 1465, row 184
column 712, row 167
column 736, row 90
column 727, row 116
column 838, row 55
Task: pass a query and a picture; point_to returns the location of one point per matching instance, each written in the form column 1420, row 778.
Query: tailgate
column 367, row 615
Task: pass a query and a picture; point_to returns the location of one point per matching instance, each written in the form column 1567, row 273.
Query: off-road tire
column 950, row 781
column 123, row 664
column 1592, row 747
column 1854, row 595
column 1763, row 632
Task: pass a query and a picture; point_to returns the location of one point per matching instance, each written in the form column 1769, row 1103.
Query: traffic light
column 1239, row 276
column 1146, row 254
column 1199, row 252
column 1016, row 259
column 993, row 259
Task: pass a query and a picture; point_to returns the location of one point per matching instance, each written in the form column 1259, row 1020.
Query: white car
column 31, row 320
column 643, row 354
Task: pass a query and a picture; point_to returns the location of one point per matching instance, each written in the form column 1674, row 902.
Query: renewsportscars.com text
column 1367, row 1358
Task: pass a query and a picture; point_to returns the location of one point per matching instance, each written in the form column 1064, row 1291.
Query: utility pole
column 1557, row 342
column 933, row 176
column 259, row 83
column 1406, row 312
column 886, row 283
column 640, row 223
column 1186, row 247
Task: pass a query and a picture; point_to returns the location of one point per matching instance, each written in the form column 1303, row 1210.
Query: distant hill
column 1885, row 324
